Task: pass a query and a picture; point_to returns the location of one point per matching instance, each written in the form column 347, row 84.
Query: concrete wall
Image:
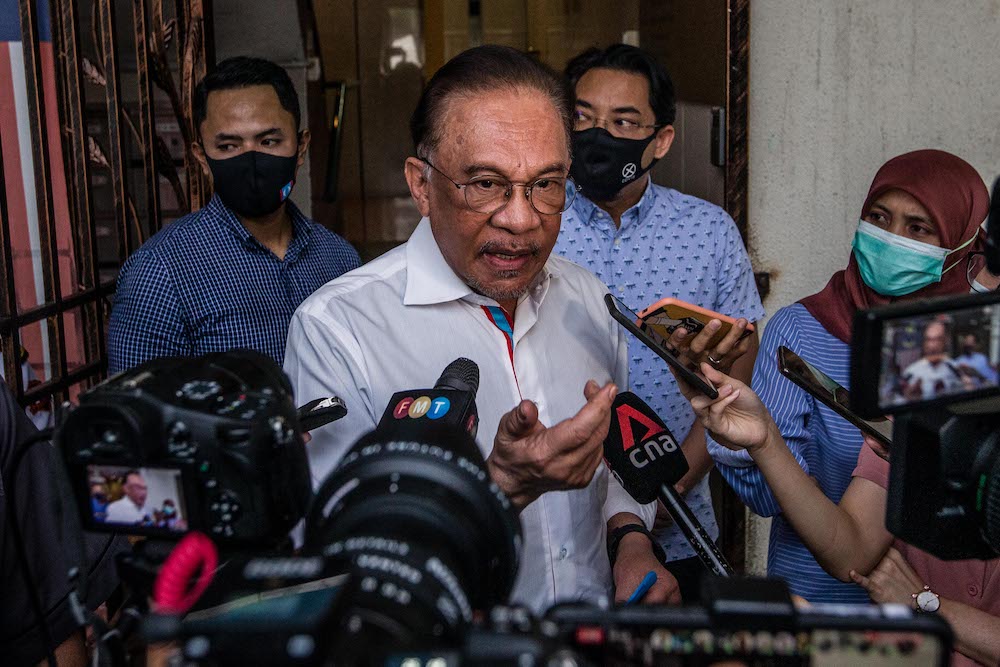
column 837, row 87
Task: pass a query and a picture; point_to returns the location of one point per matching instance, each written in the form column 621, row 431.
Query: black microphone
column 451, row 402
column 993, row 232
column 647, row 460
column 320, row 412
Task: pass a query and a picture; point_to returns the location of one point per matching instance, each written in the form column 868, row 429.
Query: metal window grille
column 95, row 135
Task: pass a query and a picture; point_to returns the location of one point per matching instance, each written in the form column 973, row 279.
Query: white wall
column 837, row 87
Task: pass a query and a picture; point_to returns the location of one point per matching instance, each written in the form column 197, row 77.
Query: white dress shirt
column 124, row 511
column 395, row 323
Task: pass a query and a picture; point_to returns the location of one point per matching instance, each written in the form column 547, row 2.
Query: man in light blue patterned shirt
column 647, row 242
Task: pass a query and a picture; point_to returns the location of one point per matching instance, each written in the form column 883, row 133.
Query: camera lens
column 427, row 534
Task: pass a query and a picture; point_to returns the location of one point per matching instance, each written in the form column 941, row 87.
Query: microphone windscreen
column 461, row 375
column 640, row 450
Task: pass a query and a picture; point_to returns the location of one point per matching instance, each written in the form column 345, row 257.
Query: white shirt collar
column 431, row 280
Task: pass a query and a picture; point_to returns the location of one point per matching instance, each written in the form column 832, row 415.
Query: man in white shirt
column 129, row 508
column 934, row 374
column 476, row 279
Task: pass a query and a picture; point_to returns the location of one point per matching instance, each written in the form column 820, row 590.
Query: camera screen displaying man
column 149, row 497
column 918, row 361
column 935, row 373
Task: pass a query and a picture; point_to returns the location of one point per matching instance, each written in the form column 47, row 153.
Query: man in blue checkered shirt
column 647, row 242
column 230, row 275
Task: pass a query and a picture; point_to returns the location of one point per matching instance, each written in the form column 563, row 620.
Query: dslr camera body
column 212, row 440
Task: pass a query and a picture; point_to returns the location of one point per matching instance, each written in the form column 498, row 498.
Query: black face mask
column 604, row 164
column 254, row 184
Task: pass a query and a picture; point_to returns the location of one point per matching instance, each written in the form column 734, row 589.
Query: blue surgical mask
column 894, row 265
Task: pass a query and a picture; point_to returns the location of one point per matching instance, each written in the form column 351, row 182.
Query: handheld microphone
column 993, row 232
column 647, row 460
column 452, row 401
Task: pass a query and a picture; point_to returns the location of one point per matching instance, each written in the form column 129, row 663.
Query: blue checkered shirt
column 205, row 284
column 669, row 244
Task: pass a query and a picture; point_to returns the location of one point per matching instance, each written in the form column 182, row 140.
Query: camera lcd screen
column 939, row 355
column 147, row 498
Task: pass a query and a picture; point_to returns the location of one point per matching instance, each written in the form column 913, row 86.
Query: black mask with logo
column 254, row 184
column 603, row 164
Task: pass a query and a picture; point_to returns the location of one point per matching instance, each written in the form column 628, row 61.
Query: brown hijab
column 957, row 200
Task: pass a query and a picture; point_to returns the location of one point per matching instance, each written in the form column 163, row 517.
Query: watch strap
column 616, row 535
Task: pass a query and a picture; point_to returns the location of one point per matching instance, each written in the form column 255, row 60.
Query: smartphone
column 666, row 315
column 829, row 393
column 631, row 321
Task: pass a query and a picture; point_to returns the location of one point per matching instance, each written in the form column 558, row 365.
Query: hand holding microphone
column 529, row 459
column 647, row 460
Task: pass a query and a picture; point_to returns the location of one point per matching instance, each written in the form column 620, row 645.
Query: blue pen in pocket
column 642, row 589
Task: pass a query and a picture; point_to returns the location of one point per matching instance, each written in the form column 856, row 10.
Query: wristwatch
column 927, row 601
column 615, row 538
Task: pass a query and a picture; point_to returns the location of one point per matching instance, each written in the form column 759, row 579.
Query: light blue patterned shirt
column 825, row 444
column 669, row 244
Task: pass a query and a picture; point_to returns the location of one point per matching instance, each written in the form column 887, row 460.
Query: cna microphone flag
column 22, row 190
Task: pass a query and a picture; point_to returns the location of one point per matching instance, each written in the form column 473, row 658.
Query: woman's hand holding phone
column 737, row 419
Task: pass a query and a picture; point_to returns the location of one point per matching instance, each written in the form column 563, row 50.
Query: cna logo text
column 651, row 445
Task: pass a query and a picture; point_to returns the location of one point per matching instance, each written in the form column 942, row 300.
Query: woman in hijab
column 919, row 225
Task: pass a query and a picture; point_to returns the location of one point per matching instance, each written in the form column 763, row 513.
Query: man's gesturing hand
column 529, row 459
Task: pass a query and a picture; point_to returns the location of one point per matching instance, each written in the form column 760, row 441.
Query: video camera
column 410, row 550
column 933, row 365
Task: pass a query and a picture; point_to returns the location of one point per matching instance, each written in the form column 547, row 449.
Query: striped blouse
column 823, row 443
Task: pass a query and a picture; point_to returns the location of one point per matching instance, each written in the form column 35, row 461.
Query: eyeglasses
column 977, row 262
column 489, row 194
column 623, row 128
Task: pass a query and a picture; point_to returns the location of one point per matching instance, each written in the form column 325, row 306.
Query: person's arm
column 147, row 320
column 323, row 359
column 634, row 560
column 30, row 491
column 789, row 406
column 71, row 653
column 695, row 446
column 851, row 536
column 977, row 633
